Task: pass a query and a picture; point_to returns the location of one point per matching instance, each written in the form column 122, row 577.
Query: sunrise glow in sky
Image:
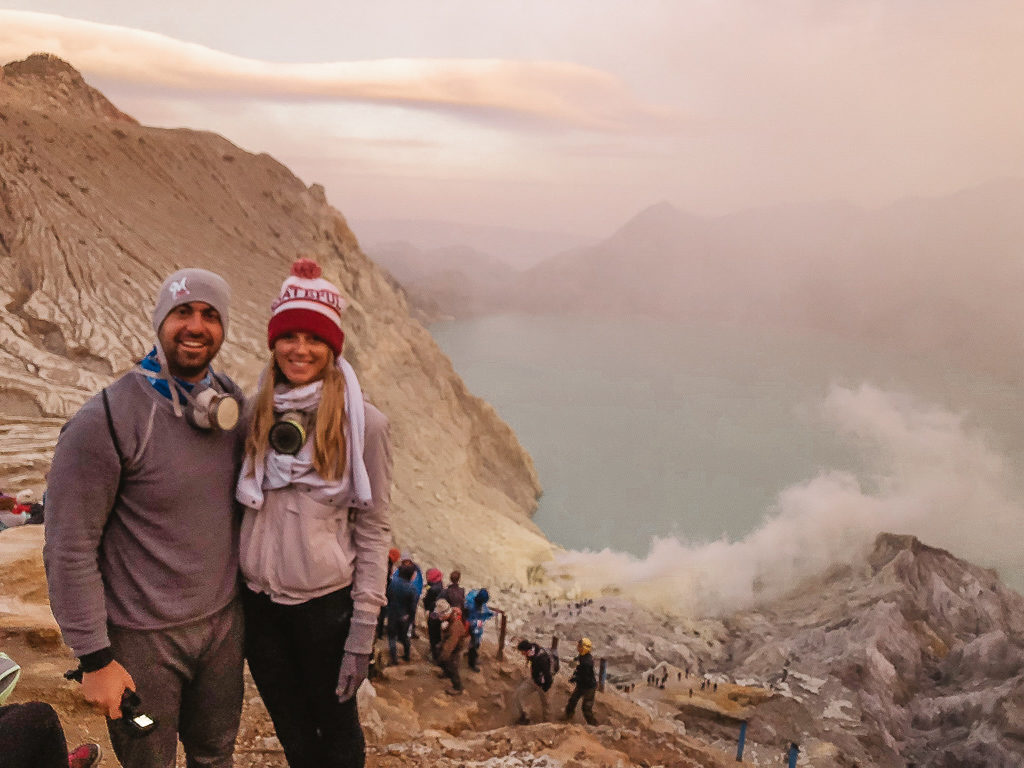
column 568, row 114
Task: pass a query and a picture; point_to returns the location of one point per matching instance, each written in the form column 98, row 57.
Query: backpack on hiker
column 555, row 664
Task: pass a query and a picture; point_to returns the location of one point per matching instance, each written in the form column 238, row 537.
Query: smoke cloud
column 929, row 476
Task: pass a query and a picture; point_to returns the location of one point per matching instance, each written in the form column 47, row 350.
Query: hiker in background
column 417, row 582
column 453, row 638
column 477, row 612
column 23, row 505
column 36, row 512
column 393, row 557
column 453, row 593
column 434, row 588
column 402, row 595
column 316, row 487
column 141, row 534
column 14, row 517
column 12, row 513
column 585, row 683
column 538, row 683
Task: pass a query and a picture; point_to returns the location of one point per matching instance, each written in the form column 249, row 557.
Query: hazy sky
column 568, row 114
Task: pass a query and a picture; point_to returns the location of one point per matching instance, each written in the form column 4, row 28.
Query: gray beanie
column 192, row 284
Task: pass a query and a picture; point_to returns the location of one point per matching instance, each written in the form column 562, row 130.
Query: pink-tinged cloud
column 548, row 92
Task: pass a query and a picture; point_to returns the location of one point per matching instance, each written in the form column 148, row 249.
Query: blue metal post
column 794, row 750
column 743, row 739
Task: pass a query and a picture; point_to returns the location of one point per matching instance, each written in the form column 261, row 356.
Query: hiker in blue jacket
column 417, row 581
column 477, row 612
column 402, row 598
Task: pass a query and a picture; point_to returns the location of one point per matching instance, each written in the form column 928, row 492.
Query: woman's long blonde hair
column 329, row 435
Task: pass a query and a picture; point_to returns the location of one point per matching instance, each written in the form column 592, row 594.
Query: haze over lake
column 642, row 428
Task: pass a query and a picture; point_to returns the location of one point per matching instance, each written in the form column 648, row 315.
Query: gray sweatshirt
column 161, row 553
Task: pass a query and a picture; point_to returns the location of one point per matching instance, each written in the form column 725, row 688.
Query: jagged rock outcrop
column 96, row 209
column 911, row 656
column 915, row 656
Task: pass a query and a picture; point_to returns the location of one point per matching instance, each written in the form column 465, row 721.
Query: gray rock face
column 95, row 210
column 913, row 656
column 919, row 649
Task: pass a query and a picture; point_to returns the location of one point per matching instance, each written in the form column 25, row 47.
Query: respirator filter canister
column 214, row 410
column 289, row 432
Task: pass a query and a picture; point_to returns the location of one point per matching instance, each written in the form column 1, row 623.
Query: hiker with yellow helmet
column 584, row 681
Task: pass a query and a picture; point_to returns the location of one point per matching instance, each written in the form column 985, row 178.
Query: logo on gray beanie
column 188, row 285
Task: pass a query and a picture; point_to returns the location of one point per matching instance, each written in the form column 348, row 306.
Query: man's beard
column 185, row 364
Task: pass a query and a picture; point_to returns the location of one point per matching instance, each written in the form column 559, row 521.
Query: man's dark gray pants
column 190, row 680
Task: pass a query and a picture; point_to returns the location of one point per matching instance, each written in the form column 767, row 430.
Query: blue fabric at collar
column 151, row 363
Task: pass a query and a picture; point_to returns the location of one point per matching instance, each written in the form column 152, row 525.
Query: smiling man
column 142, row 537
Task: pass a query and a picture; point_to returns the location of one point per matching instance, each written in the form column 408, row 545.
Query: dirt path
column 407, row 717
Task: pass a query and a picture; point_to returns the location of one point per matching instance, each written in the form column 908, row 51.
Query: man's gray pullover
column 161, row 553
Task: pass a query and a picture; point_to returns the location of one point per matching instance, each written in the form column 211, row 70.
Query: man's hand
column 354, row 667
column 104, row 688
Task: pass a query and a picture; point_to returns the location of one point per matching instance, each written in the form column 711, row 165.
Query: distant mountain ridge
column 446, row 282
column 939, row 275
column 518, row 247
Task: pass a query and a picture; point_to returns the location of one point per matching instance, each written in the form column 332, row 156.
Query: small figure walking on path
column 453, row 638
column 542, row 675
column 585, row 682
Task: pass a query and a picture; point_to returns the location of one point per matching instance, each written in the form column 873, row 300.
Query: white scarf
column 277, row 470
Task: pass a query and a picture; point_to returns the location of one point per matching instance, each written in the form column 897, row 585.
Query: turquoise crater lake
column 641, row 428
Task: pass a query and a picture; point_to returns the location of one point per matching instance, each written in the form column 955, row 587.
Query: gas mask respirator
column 290, row 431
column 212, row 410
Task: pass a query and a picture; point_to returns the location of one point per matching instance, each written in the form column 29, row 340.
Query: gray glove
column 354, row 668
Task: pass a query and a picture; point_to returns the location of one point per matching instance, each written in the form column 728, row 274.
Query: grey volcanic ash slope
column 95, row 210
column 909, row 656
column 918, row 657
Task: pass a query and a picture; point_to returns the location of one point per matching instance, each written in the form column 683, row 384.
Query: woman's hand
column 354, row 668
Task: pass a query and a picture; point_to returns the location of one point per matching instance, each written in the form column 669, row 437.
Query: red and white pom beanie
column 307, row 303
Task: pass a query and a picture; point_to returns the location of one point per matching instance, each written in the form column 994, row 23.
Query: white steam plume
column 932, row 477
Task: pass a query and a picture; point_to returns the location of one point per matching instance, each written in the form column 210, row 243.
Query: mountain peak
column 659, row 212
column 41, row 65
column 49, row 83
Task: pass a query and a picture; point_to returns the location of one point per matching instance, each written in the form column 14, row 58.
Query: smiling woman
column 301, row 356
column 316, row 528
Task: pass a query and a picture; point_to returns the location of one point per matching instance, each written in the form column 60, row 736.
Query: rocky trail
column 407, row 717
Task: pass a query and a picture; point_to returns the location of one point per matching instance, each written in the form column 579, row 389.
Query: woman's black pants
column 294, row 654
